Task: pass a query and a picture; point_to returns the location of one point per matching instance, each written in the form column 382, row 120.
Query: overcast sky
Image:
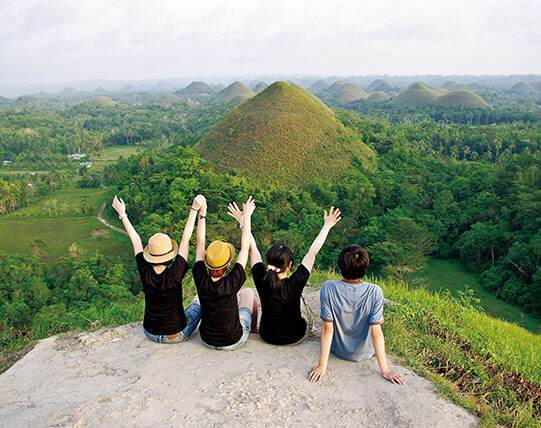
column 62, row 40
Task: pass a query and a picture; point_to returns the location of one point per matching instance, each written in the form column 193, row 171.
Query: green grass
column 442, row 275
column 111, row 154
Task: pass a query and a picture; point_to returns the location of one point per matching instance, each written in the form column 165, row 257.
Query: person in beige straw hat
column 226, row 314
column 162, row 265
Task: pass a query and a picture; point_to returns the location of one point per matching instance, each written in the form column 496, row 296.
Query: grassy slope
column 348, row 92
column 284, row 135
column 111, row 154
column 463, row 98
column 442, row 275
column 417, row 94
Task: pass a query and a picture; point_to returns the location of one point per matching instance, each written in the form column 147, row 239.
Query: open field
column 110, row 155
column 441, row 275
column 51, row 231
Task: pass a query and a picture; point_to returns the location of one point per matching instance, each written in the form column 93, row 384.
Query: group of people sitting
column 226, row 313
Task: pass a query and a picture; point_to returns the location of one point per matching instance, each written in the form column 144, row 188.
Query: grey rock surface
column 116, row 377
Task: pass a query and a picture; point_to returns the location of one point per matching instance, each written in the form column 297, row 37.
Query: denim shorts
column 245, row 317
column 193, row 316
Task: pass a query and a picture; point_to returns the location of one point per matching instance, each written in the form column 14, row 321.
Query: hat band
column 163, row 254
column 219, row 267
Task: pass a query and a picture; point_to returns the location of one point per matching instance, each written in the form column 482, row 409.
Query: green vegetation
column 417, row 94
column 110, row 155
column 285, row 136
column 236, row 92
column 197, row 89
column 449, row 275
column 491, row 367
column 468, row 99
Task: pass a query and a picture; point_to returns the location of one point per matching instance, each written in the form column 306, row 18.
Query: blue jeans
column 193, row 316
column 245, row 317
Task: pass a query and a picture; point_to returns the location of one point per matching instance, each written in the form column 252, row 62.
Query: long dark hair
column 279, row 256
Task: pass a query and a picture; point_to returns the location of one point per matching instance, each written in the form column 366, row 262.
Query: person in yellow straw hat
column 226, row 314
column 162, row 265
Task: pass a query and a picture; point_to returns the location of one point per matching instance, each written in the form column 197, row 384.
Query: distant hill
column 319, row 87
column 237, row 91
column 168, row 100
column 461, row 98
column 378, row 97
column 5, row 101
column 284, row 135
column 346, row 93
column 380, row 85
column 68, row 92
column 218, row 87
column 523, row 89
column 260, row 87
column 417, row 94
column 441, row 91
column 196, row 89
column 100, row 91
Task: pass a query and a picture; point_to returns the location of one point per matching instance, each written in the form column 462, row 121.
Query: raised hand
column 198, row 202
column 332, row 217
column 119, row 206
column 248, row 208
column 234, row 211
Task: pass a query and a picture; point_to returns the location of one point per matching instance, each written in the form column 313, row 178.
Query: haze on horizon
column 45, row 41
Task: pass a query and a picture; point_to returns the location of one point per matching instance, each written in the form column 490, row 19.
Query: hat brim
column 164, row 257
column 232, row 252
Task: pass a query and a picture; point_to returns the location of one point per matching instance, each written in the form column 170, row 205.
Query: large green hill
column 463, row 98
column 237, row 91
column 417, row 94
column 284, row 135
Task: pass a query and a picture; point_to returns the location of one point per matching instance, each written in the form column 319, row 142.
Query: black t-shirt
column 220, row 324
column 164, row 313
column 281, row 319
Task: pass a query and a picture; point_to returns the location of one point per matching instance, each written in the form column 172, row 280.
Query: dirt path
column 116, row 377
column 106, row 223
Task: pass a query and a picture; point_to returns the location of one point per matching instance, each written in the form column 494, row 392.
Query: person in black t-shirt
column 162, row 265
column 285, row 317
column 226, row 314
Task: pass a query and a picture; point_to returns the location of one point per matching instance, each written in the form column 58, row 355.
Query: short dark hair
column 353, row 262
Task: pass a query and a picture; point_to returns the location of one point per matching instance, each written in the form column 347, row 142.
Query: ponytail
column 279, row 257
column 271, row 278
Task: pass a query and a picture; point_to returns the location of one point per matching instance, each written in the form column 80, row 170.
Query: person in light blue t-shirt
column 352, row 314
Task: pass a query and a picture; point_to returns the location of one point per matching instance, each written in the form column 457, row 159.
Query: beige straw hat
column 160, row 249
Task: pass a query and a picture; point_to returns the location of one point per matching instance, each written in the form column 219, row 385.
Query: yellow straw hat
column 160, row 249
column 218, row 255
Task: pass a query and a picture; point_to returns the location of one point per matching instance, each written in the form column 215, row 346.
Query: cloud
column 52, row 40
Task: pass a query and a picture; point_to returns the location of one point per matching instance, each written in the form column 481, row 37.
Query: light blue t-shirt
column 351, row 308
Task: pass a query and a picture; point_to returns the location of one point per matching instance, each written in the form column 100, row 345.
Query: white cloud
column 54, row 40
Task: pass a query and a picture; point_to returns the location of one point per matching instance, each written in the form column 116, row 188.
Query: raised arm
column 120, row 208
column 201, row 232
column 247, row 211
column 184, row 247
column 330, row 219
column 236, row 213
column 379, row 347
